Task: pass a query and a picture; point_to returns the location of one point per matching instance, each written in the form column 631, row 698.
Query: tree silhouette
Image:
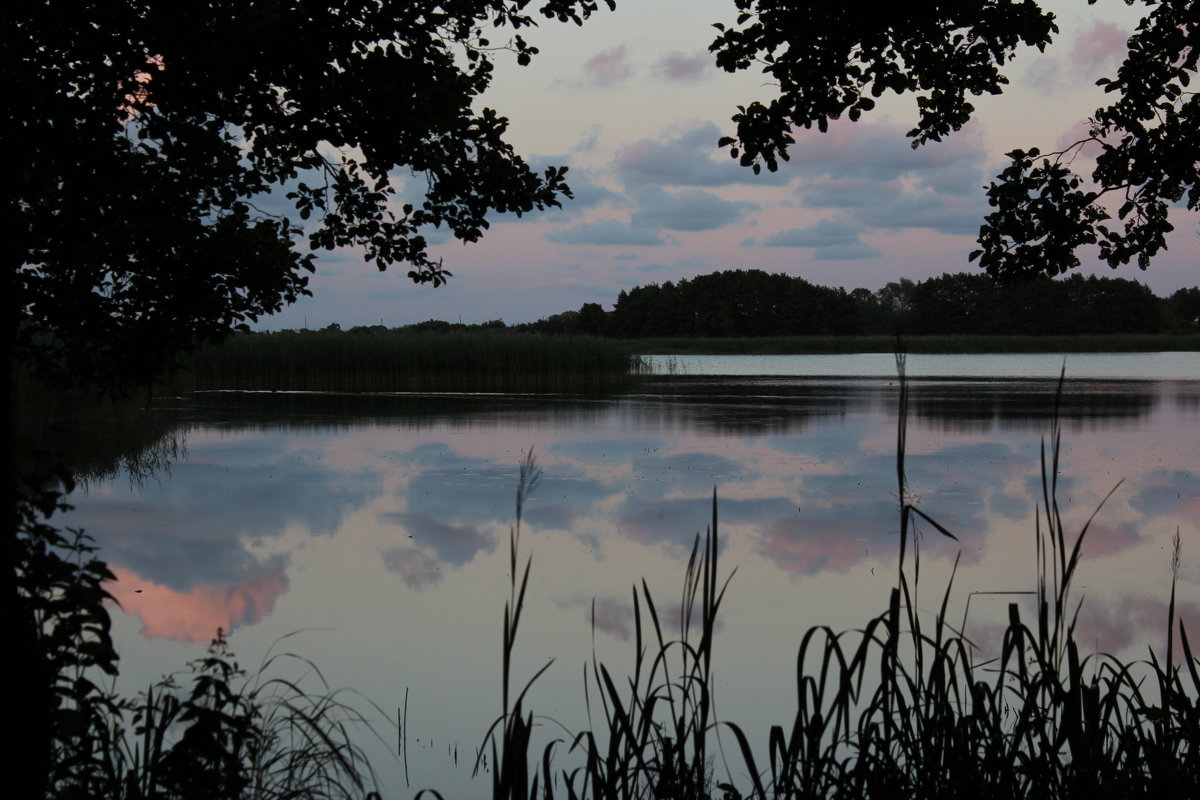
column 158, row 141
column 170, row 159
column 828, row 59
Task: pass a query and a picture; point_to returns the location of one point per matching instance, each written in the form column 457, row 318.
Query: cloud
column 1082, row 131
column 829, row 239
column 195, row 615
column 589, row 142
column 846, row 252
column 935, row 211
column 1093, row 52
column 675, row 66
column 810, row 547
column 822, row 234
column 586, row 193
column 1014, row 506
column 686, row 159
column 561, row 497
column 1121, row 624
column 606, row 232
column 608, row 67
column 1097, row 49
column 1169, row 493
column 611, row 616
column 454, row 544
column 879, row 151
column 415, row 567
column 1103, row 539
column 688, row 210
column 670, row 524
column 871, row 172
column 218, row 513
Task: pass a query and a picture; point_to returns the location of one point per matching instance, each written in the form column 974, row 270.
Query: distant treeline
column 754, row 303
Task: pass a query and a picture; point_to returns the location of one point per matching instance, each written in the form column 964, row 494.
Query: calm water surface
column 378, row 524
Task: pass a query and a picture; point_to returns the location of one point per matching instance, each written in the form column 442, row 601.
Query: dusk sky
column 633, row 104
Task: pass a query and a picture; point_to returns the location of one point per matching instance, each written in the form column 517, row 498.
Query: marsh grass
column 899, row 708
column 405, row 361
column 218, row 731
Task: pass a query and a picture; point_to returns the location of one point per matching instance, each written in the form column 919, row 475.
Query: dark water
column 379, row 524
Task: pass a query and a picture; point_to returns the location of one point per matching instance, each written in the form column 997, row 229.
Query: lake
column 378, row 525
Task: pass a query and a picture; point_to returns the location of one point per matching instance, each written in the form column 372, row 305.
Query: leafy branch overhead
column 827, row 59
column 157, row 139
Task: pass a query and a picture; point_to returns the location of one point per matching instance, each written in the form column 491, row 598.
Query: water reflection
column 806, row 468
column 386, row 517
column 755, row 405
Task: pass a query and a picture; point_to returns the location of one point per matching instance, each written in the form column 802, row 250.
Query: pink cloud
column 1098, row 47
column 810, row 548
column 683, row 67
column 195, row 615
column 608, row 67
column 1104, row 540
column 1135, row 622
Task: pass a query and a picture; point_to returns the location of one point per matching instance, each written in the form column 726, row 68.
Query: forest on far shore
column 755, row 303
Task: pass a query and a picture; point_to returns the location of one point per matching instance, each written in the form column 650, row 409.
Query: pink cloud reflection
column 1104, row 540
column 1135, row 621
column 809, row 548
column 195, row 615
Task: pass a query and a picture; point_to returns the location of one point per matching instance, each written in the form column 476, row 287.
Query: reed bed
column 405, row 361
column 897, row 709
column 813, row 345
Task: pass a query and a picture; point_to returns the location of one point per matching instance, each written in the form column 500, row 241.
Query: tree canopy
column 754, row 303
column 156, row 141
column 828, row 59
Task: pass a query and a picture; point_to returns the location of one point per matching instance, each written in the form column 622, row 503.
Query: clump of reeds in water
column 898, row 709
column 384, row 361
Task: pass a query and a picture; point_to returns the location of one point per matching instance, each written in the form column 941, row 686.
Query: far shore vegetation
column 735, row 312
column 494, row 358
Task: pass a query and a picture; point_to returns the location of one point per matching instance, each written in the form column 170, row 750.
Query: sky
column 633, row 104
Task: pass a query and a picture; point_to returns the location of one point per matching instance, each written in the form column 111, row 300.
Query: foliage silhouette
column 157, row 139
column 752, row 303
column 827, row 60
